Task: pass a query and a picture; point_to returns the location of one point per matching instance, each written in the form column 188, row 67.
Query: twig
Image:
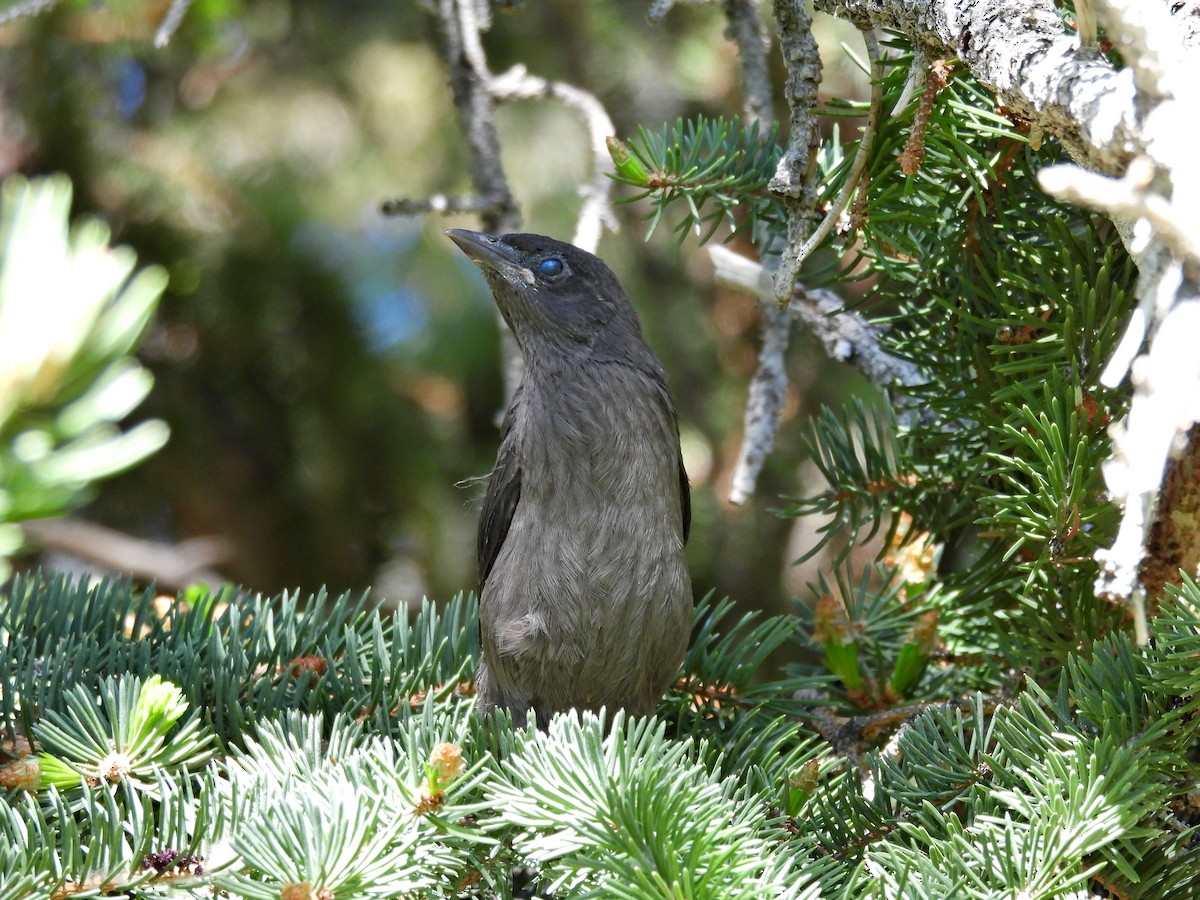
column 461, row 22
column 596, row 214
column 1127, row 198
column 768, row 388
column 746, row 31
column 171, row 566
column 764, row 402
column 28, row 8
column 838, row 207
column 171, row 22
column 438, row 203
column 476, row 92
column 916, row 75
column 660, row 8
column 846, row 336
column 794, row 180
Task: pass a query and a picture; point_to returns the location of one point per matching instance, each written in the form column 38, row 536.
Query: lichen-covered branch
column 1160, row 195
column 1024, row 52
column 795, row 178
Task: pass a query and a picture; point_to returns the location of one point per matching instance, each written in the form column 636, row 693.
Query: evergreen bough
column 267, row 748
column 970, row 721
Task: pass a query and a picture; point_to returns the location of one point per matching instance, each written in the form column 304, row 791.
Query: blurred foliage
column 330, row 376
column 71, row 313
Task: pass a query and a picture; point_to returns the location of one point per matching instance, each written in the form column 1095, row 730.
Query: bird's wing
column 503, row 494
column 685, row 497
column 663, row 396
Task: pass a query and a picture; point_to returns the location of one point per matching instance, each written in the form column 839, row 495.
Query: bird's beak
column 490, row 252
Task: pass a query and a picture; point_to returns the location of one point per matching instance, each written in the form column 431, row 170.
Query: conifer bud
column 446, row 762
column 835, row 634
column 629, row 168
column 914, row 655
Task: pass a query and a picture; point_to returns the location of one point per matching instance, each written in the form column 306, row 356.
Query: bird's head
column 558, row 300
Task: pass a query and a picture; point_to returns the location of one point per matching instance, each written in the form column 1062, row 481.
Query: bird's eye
column 550, row 267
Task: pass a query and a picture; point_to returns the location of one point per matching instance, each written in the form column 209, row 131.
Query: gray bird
column 584, row 595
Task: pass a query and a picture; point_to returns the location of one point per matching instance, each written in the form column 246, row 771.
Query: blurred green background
column 331, row 376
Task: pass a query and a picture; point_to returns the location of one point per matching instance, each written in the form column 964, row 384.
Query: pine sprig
column 600, row 822
column 717, row 169
column 1075, row 782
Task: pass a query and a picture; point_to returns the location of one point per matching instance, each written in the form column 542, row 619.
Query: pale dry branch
column 596, row 214
column 171, row 22
column 846, row 336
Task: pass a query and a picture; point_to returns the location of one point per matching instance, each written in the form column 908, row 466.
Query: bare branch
column 596, row 213
column 1125, row 198
column 846, row 336
column 438, row 203
column 764, row 403
column 795, row 178
column 746, row 31
column 659, row 9
column 171, row 22
column 28, row 8
column 460, row 23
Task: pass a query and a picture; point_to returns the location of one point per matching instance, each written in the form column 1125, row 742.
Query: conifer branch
column 1021, row 49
